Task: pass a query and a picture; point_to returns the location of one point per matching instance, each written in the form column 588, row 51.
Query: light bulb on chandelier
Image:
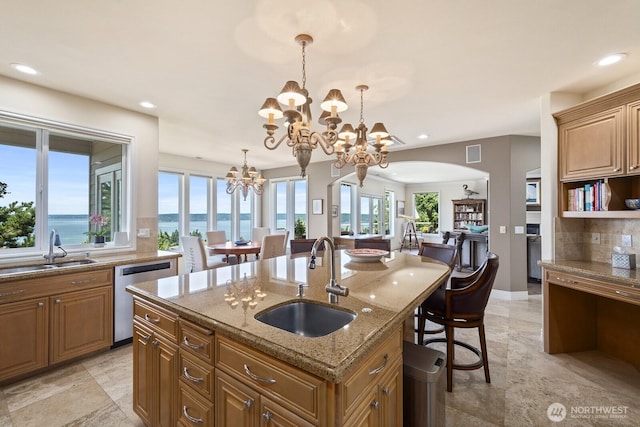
column 247, row 180
column 299, row 135
column 360, row 157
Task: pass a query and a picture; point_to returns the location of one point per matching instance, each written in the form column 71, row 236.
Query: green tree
column 427, row 209
column 17, row 221
column 167, row 241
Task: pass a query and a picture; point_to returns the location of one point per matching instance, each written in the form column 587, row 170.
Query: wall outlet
column 595, row 238
column 143, row 232
column 626, row 240
column 518, row 229
column 503, row 229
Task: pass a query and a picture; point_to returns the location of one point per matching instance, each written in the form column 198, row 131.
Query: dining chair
column 303, row 245
column 383, row 244
column 463, row 306
column 447, row 254
column 257, row 233
column 273, row 245
column 216, row 236
column 195, row 256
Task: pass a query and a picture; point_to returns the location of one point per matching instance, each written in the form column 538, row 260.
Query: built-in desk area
column 591, row 306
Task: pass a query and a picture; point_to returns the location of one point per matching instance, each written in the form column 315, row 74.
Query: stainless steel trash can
column 424, row 386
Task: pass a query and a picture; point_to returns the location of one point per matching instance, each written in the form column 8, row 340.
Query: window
column 370, row 215
column 79, row 173
column 426, row 208
column 290, row 204
column 346, row 219
column 232, row 214
column 389, row 202
column 198, row 205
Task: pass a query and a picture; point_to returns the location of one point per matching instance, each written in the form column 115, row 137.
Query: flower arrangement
column 99, row 221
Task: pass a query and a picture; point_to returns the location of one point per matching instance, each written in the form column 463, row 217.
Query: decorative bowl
column 632, row 203
column 366, row 254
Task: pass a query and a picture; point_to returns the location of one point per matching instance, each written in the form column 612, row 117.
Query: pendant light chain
column 361, row 105
column 304, row 63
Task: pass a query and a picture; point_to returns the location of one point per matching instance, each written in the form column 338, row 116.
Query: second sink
column 306, row 318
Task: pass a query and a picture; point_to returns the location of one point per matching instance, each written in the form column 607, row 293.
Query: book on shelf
column 590, row 197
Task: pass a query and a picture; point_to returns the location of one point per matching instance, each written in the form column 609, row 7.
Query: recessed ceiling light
column 147, row 104
column 423, row 136
column 611, row 59
column 25, row 69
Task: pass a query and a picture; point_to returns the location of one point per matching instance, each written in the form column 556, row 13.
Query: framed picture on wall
column 399, row 207
column 533, row 192
column 316, row 207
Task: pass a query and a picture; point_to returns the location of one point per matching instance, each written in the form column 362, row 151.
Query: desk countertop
column 382, row 294
column 595, row 270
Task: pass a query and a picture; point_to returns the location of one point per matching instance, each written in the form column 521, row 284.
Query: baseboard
column 508, row 295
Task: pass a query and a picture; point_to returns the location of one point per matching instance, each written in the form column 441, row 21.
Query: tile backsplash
column 575, row 240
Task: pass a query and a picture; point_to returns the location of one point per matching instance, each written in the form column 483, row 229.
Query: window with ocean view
column 79, row 172
column 290, row 204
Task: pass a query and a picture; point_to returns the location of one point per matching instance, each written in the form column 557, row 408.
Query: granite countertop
column 595, row 270
column 101, row 261
column 382, row 294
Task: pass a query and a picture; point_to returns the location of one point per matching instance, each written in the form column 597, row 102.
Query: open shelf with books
column 603, row 198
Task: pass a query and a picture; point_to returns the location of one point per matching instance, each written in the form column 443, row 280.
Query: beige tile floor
column 525, row 381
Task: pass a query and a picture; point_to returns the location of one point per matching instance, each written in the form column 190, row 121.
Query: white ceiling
column 455, row 70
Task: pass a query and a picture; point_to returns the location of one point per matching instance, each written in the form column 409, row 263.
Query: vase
column 98, row 241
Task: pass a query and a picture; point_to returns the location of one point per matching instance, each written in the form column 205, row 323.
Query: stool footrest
column 462, row 366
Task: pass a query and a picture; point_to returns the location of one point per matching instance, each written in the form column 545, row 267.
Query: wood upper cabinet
column 81, row 322
column 24, row 337
column 593, row 146
column 633, row 138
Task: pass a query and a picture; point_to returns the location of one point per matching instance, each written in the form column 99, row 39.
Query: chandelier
column 297, row 114
column 362, row 157
column 247, row 179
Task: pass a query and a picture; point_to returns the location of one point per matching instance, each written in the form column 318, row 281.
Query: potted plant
column 299, row 229
column 99, row 221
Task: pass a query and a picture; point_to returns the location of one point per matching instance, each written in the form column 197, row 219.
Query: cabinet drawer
column 156, row 317
column 197, row 375
column 193, row 410
column 45, row 286
column 616, row 291
column 291, row 387
column 370, row 371
column 196, row 340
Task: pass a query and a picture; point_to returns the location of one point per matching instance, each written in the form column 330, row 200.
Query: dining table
column 237, row 249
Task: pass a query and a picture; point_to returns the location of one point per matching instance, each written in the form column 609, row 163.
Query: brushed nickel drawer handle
column 10, row 293
column 189, row 417
column 375, row 404
column 617, row 169
column 83, row 282
column 248, row 403
column 381, row 367
column 633, row 167
column 267, row 416
column 560, row 279
column 257, row 378
column 147, row 338
column 628, row 295
column 193, row 346
column 58, row 301
column 190, row 378
column 149, row 319
column 40, row 304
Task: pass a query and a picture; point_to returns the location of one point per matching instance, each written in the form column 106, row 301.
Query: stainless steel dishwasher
column 123, row 301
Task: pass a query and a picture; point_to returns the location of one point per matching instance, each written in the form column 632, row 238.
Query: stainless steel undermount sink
column 41, row 267
column 305, row 318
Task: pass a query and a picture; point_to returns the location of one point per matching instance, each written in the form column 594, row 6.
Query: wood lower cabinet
column 81, row 322
column 240, row 405
column 51, row 319
column 155, row 365
column 24, row 337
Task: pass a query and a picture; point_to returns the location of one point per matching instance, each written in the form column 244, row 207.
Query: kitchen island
column 343, row 378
